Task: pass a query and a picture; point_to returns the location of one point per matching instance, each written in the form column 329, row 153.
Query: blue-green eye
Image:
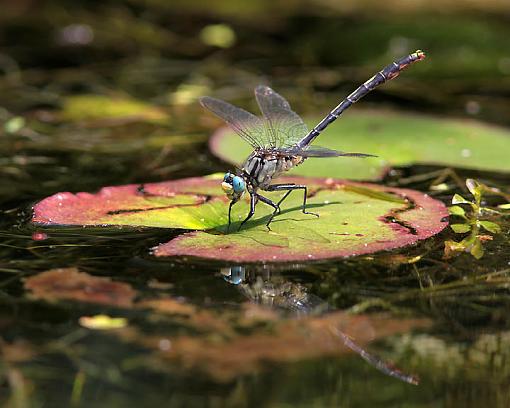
column 227, row 176
column 238, row 184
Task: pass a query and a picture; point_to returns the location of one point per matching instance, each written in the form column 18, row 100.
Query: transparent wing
column 248, row 126
column 284, row 127
column 318, row 151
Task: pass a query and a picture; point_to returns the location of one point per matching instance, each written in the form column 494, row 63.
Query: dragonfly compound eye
column 238, row 184
column 227, row 178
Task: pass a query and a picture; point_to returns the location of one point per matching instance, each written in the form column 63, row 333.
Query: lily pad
column 114, row 109
column 397, row 140
column 71, row 284
column 102, row 322
column 355, row 218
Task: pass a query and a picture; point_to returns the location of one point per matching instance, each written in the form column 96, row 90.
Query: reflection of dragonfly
column 281, row 140
column 260, row 286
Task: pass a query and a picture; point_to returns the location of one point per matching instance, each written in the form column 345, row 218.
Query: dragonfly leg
column 282, row 199
column 230, row 212
column 272, row 204
column 291, row 187
column 253, row 202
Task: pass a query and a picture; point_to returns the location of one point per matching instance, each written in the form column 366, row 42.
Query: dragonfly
column 281, row 140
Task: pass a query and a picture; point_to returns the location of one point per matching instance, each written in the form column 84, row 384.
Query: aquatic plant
column 474, row 220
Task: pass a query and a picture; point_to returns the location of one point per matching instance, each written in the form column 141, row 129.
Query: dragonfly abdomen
column 389, row 72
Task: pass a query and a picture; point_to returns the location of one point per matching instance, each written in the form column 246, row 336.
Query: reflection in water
column 261, row 287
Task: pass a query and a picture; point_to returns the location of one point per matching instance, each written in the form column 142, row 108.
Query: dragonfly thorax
column 261, row 167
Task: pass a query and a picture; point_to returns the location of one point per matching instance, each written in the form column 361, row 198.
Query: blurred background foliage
column 172, row 51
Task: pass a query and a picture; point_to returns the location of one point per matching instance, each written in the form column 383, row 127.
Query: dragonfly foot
column 311, row 213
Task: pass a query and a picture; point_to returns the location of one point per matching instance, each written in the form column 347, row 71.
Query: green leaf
column 504, row 206
column 111, row 108
column 397, row 140
column 477, row 249
column 458, row 199
column 474, row 188
column 460, row 228
column 354, row 218
column 439, row 187
column 102, row 322
column 456, row 210
column 468, row 241
column 491, row 226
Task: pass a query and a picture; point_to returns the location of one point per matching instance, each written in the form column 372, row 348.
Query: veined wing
column 318, row 151
column 284, row 126
column 248, row 126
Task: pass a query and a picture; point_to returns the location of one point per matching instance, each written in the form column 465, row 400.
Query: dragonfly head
column 233, row 186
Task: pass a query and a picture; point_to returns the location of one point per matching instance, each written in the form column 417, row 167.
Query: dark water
column 445, row 321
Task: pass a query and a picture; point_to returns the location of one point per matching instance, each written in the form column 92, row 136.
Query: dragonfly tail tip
column 420, row 55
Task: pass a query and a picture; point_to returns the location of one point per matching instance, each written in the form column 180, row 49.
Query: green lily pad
column 112, row 109
column 355, row 218
column 397, row 140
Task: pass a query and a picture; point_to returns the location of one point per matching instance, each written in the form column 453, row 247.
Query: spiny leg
column 282, row 200
column 229, row 212
column 275, row 187
column 275, row 206
column 291, row 187
column 253, row 202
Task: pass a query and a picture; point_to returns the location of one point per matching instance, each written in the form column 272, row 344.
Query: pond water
column 401, row 328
